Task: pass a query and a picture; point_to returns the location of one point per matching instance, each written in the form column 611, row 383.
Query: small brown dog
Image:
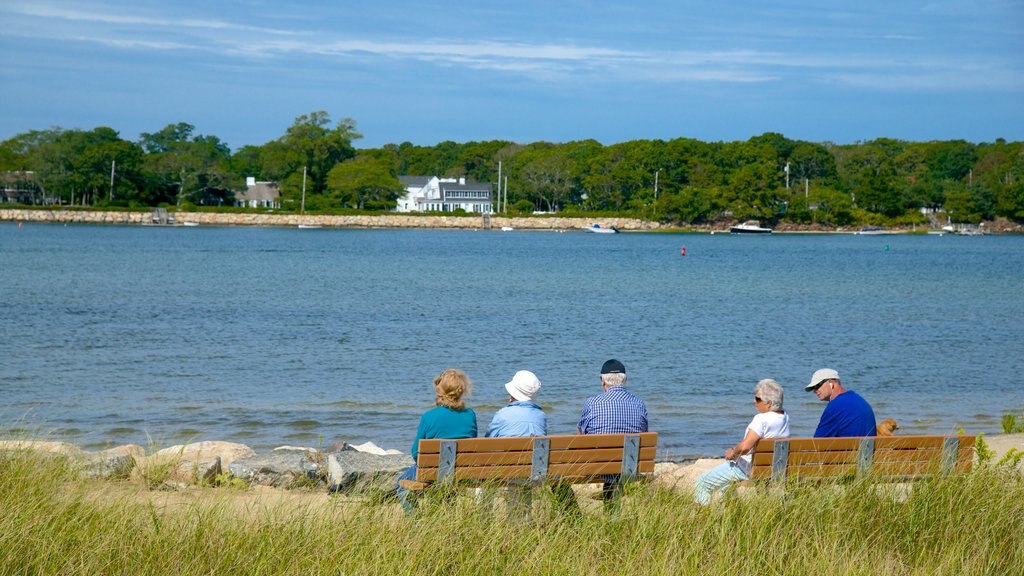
column 886, row 427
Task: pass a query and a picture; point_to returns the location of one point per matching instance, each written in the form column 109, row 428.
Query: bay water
column 272, row 336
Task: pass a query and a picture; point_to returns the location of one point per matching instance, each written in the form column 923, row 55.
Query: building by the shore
column 259, row 194
column 434, row 194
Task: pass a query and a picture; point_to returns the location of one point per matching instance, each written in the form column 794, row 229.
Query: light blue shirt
column 519, row 419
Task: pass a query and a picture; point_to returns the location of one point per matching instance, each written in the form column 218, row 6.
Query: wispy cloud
column 541, row 61
column 47, row 11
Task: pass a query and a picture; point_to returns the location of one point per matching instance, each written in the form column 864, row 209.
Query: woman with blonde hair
column 449, row 419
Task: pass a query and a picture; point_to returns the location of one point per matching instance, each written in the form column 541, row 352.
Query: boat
column 873, row 231
column 189, row 223
column 749, row 227
column 309, row 226
column 507, row 228
column 596, row 228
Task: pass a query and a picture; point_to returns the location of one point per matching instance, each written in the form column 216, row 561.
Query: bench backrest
column 536, row 458
column 890, row 457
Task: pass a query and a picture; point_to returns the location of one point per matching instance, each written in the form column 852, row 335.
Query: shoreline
column 435, row 222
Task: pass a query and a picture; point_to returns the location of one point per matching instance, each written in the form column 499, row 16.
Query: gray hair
column 771, row 392
column 613, row 379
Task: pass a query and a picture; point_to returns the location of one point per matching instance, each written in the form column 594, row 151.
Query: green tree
column 307, row 151
column 364, row 182
column 182, row 167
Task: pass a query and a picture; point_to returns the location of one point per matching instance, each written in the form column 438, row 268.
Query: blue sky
column 433, row 70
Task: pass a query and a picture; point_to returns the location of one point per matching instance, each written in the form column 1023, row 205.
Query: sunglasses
column 758, row 399
column 818, row 385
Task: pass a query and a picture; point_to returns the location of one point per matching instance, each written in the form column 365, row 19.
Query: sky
column 427, row 71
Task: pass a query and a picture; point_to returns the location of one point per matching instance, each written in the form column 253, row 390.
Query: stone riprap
column 115, row 463
column 326, row 221
column 352, row 471
column 283, row 467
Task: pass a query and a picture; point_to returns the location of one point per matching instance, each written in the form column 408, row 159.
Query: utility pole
column 111, row 198
column 302, row 207
column 499, row 185
column 786, row 169
column 656, row 172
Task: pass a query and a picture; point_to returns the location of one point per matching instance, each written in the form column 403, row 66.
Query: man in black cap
column 616, row 411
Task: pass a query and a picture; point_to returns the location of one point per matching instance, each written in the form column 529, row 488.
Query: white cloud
column 544, row 61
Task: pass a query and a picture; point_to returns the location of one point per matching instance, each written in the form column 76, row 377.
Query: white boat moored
column 749, row 227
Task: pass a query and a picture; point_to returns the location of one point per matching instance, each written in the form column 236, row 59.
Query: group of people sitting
column 618, row 411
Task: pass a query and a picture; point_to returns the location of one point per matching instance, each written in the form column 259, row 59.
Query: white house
column 433, row 194
column 259, row 194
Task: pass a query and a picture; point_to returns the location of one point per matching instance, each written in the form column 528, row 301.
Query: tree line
column 687, row 181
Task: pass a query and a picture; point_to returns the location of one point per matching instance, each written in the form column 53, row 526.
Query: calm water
column 271, row 336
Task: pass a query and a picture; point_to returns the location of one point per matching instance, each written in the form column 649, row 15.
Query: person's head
column 451, row 386
column 613, row 373
column 825, row 384
column 524, row 386
column 768, row 396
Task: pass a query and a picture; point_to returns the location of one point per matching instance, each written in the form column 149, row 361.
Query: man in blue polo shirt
column 847, row 414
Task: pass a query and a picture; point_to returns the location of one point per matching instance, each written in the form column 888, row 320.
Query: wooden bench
column 576, row 459
column 896, row 458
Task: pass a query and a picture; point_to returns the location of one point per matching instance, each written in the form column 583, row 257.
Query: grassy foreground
column 53, row 522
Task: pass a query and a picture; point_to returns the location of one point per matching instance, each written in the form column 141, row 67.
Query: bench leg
column 564, row 500
column 519, row 501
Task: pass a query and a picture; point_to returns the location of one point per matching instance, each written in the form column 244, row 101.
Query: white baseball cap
column 524, row 386
column 820, row 376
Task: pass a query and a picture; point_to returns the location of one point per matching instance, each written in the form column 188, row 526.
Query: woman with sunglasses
column 771, row 421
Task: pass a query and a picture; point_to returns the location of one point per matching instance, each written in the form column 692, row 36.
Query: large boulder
column 283, row 467
column 371, row 448
column 190, row 463
column 45, row 446
column 683, row 476
column 351, row 470
column 113, row 463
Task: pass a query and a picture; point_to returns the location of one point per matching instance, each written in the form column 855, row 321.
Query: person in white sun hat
column 522, row 416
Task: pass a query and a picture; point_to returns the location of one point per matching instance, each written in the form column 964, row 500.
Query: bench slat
column 522, row 458
column 881, row 442
column 832, row 456
column 555, row 471
column 566, row 442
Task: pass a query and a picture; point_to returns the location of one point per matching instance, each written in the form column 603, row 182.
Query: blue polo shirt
column 520, row 418
column 846, row 415
column 617, row 411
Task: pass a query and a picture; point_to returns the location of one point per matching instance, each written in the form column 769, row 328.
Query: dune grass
column 54, row 522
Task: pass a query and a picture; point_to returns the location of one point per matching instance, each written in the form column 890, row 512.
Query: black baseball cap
column 613, row 366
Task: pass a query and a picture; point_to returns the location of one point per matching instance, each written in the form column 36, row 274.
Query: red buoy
column 682, row 251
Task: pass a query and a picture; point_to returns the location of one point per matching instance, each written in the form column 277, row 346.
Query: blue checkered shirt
column 617, row 411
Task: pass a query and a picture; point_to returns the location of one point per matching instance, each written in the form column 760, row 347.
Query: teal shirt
column 443, row 422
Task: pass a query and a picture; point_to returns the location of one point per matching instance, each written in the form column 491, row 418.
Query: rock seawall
column 326, row 221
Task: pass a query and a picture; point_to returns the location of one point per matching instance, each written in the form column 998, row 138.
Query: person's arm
column 744, row 446
column 421, row 432
column 581, row 426
column 827, row 426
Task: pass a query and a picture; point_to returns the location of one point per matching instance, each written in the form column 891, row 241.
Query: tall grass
column 54, row 522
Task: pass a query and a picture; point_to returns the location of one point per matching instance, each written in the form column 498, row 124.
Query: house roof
column 261, row 192
column 418, row 181
column 478, row 186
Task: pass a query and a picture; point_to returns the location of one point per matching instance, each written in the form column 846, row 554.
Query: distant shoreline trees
column 768, row 177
